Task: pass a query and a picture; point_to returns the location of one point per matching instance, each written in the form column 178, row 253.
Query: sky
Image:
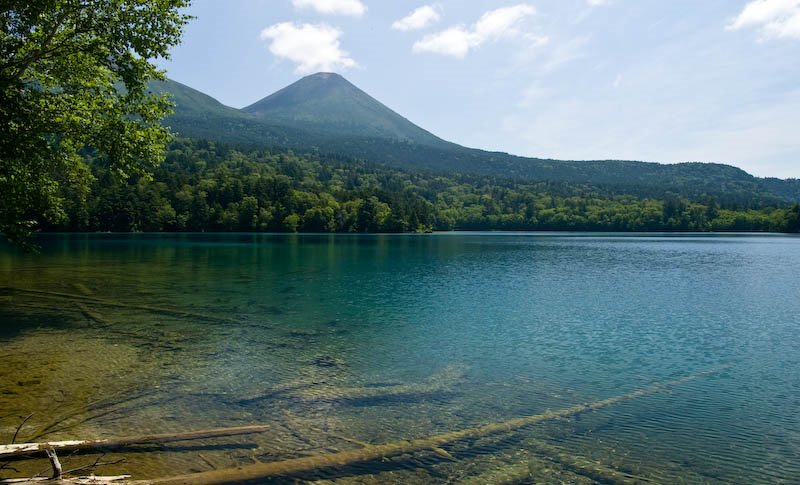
column 653, row 80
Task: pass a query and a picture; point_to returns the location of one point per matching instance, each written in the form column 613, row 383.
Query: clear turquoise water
column 535, row 322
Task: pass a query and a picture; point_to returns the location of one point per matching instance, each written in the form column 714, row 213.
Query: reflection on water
column 339, row 342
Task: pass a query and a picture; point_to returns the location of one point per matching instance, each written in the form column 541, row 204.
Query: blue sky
column 664, row 81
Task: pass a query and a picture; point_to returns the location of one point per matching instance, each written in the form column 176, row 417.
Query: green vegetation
column 205, row 186
column 325, row 114
column 73, row 74
column 81, row 110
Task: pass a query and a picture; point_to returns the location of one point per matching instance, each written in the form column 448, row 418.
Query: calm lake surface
column 341, row 341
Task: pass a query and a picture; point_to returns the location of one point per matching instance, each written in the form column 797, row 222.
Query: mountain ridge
column 324, row 113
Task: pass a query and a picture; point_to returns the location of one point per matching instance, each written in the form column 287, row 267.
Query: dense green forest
column 207, row 186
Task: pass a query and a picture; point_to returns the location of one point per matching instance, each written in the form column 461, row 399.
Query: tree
column 793, row 219
column 73, row 83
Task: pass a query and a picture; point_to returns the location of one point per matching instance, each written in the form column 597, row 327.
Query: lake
column 341, row 342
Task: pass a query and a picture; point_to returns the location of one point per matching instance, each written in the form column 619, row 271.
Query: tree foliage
column 206, row 186
column 73, row 78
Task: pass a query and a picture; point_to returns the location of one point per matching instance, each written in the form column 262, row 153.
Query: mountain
column 328, row 103
column 193, row 104
column 326, row 114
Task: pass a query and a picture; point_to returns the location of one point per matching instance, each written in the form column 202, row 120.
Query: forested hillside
column 206, row 186
column 327, row 116
column 323, row 156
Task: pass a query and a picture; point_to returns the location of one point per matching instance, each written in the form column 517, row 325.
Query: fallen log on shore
column 26, row 449
column 87, row 480
column 307, row 464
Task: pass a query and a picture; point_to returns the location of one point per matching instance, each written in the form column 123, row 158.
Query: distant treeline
column 204, row 186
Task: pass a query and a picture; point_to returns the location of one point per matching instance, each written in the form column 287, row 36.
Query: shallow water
column 337, row 341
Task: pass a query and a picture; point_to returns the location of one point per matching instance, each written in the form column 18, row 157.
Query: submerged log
column 83, row 289
column 443, row 380
column 515, row 472
column 586, row 467
column 92, row 315
column 26, row 449
column 117, row 304
column 286, row 389
column 295, row 466
column 90, row 411
column 314, row 391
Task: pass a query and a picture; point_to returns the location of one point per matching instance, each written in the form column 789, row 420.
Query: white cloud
column 775, row 18
column 597, row 3
column 420, row 18
column 501, row 22
column 493, row 25
column 455, row 41
column 336, row 7
column 313, row 47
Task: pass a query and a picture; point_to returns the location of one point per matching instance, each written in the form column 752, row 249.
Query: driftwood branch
column 295, row 466
column 26, row 449
column 92, row 411
column 53, row 457
column 96, row 463
column 19, row 428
